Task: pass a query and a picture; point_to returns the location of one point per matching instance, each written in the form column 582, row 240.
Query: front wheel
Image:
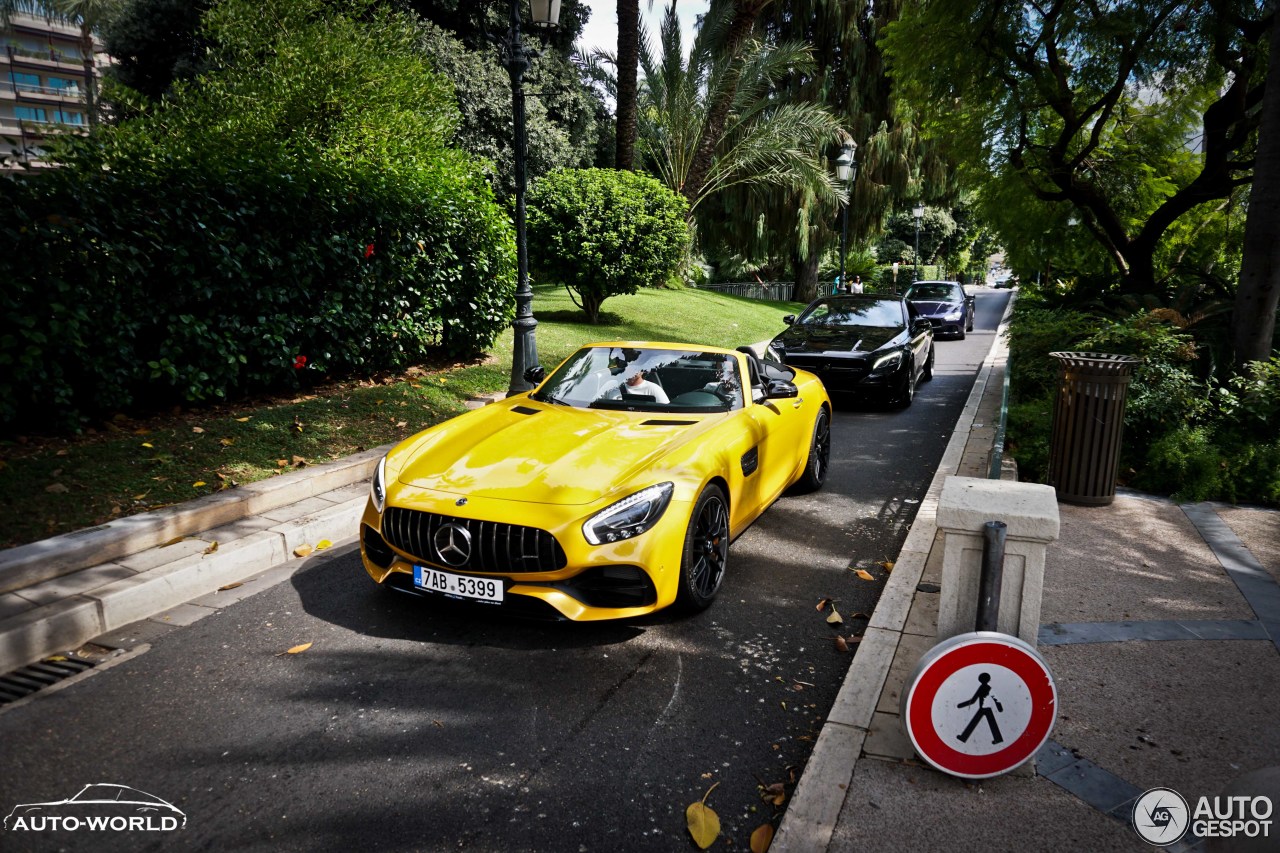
column 706, row 551
column 907, row 388
column 815, row 469
column 927, row 373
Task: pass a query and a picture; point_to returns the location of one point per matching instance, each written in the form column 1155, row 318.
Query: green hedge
column 138, row 280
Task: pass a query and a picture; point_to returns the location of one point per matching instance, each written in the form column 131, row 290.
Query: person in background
column 856, row 287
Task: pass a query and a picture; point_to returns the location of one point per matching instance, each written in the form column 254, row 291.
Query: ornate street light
column 915, row 267
column 846, row 173
column 515, row 57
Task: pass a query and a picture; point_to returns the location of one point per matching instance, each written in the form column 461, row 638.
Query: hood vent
column 657, row 422
column 524, row 410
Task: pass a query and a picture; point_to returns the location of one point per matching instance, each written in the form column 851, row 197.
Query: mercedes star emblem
column 453, row 544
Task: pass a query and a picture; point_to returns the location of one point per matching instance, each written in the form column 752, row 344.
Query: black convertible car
column 946, row 305
column 867, row 345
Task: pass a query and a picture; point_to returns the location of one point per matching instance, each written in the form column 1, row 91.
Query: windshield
column 884, row 313
column 663, row 380
column 942, row 292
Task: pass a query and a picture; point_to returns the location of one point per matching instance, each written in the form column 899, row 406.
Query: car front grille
column 844, row 369
column 491, row 546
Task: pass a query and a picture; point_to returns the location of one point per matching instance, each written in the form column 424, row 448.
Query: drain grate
column 37, row 676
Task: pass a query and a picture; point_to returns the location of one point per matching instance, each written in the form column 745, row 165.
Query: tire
column 907, row 390
column 706, row 551
column 968, row 321
column 927, row 373
column 819, row 459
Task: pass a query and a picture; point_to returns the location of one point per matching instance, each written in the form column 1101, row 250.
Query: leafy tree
column 604, row 233
column 1090, row 107
column 154, row 43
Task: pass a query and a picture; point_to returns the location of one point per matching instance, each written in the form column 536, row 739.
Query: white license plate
column 458, row 586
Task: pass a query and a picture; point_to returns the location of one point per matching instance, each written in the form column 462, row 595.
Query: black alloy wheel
column 706, row 551
column 815, row 469
column 907, row 388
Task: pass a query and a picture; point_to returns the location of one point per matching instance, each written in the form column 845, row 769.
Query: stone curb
column 810, row 820
column 71, row 621
column 29, row 564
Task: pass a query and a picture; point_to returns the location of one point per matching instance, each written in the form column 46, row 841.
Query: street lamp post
column 915, row 267
column 515, row 57
column 846, row 173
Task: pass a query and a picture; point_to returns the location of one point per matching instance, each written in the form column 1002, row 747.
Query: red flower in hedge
column 368, row 250
column 300, row 362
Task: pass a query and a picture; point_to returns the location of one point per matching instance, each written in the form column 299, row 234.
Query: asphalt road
column 410, row 727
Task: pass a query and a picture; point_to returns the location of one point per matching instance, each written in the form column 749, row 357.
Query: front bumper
column 617, row 580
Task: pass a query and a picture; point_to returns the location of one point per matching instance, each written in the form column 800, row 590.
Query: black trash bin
column 1088, row 424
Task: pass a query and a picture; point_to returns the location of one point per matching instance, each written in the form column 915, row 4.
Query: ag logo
column 1161, row 816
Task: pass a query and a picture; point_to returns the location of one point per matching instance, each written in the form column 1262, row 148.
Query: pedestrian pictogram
column 979, row 704
column 984, row 712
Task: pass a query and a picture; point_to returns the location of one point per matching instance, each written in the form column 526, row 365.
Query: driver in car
column 637, row 384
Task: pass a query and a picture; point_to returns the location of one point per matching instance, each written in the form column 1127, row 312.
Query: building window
column 76, row 119
column 26, row 82
column 29, row 114
column 63, row 86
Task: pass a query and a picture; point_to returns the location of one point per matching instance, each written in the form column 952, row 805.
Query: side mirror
column 921, row 325
column 789, row 319
column 534, row 375
column 780, row 389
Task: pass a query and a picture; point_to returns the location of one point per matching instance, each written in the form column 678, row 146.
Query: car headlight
column 378, row 488
column 954, row 315
column 630, row 516
column 887, row 362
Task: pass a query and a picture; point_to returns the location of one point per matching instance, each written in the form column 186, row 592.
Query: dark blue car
column 945, row 303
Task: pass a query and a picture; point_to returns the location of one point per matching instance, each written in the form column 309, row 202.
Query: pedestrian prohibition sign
column 979, row 704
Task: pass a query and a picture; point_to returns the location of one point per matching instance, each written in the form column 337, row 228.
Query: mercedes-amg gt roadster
column 611, row 490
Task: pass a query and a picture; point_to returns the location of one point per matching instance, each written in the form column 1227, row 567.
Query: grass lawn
column 51, row 485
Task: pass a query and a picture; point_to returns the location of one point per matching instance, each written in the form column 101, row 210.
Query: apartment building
column 42, row 83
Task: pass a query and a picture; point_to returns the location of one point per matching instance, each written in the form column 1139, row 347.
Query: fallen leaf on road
column 56, row 489
column 242, row 420
column 775, row 793
column 704, row 824
column 213, row 546
column 322, row 544
column 302, row 550
column 296, row 650
column 822, row 605
column 174, row 541
column 865, row 575
column 887, row 565
column 227, row 442
column 230, row 586
column 835, row 618
column 148, row 444
column 198, row 483
column 761, row 838
column 841, row 645
column 197, row 429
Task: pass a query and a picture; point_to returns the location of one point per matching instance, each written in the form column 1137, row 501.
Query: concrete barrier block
column 339, row 521
column 61, row 626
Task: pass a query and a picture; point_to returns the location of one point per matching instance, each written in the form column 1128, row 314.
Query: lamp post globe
column 515, row 57
column 918, row 212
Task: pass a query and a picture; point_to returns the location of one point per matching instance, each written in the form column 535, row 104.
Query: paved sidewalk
column 1161, row 626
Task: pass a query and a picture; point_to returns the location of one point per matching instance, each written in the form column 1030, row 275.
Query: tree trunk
column 90, row 79
column 806, row 288
column 628, row 66
column 1253, row 315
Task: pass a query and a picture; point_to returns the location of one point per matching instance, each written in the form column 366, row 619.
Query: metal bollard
column 992, row 574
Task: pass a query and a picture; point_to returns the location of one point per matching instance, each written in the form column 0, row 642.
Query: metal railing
column 772, row 291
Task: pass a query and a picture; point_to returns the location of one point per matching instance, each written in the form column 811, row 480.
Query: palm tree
column 764, row 140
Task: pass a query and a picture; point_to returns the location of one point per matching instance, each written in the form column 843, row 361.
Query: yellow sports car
column 611, row 490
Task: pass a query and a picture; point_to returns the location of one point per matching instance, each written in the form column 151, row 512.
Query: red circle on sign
column 977, row 651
